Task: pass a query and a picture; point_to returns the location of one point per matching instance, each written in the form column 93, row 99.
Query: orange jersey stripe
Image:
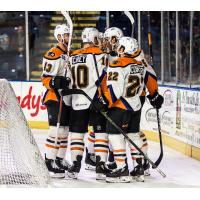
column 119, row 104
column 54, row 53
column 105, row 91
column 152, row 85
column 143, row 93
column 46, row 82
column 87, row 50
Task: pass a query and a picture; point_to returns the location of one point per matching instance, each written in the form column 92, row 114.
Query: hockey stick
column 157, row 111
column 78, row 91
column 68, row 18
column 160, row 138
column 130, row 16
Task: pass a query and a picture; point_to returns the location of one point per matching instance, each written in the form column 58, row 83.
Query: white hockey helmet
column 113, row 32
column 61, row 29
column 89, row 34
column 127, row 45
column 101, row 35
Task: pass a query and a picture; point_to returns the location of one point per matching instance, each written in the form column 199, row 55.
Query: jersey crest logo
column 52, row 54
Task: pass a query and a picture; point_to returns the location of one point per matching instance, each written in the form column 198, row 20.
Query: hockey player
column 83, row 66
column 111, row 42
column 54, row 62
column 139, row 56
column 108, row 45
column 126, row 79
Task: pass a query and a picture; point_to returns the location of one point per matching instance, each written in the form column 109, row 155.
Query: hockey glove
column 98, row 106
column 60, row 82
column 156, row 100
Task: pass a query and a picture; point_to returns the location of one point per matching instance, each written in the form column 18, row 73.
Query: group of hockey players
column 111, row 69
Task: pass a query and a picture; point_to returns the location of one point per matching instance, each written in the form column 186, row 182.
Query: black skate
column 146, row 166
column 73, row 171
column 62, row 163
column 119, row 176
column 101, row 169
column 54, row 171
column 90, row 161
column 112, row 165
column 138, row 171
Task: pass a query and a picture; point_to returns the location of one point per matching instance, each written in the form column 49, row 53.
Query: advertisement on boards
column 179, row 115
column 29, row 95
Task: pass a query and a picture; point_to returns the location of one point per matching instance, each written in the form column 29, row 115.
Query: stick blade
column 130, row 16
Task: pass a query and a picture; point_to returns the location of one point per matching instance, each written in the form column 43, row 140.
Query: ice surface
column 181, row 171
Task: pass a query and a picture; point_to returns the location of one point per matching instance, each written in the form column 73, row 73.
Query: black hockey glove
column 156, row 100
column 98, row 106
column 60, row 82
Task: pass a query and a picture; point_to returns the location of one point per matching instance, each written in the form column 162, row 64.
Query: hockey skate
column 62, row 163
column 73, row 171
column 111, row 165
column 119, row 176
column 54, row 171
column 90, row 161
column 138, row 171
column 146, row 166
column 101, row 169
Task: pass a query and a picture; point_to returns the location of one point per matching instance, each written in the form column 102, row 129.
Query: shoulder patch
column 114, row 62
column 51, row 54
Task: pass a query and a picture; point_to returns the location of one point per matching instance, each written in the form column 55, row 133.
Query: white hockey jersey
column 54, row 64
column 126, row 78
column 84, row 74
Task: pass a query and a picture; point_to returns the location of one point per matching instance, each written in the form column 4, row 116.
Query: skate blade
column 140, row 178
column 90, row 167
column 122, row 179
column 100, row 177
column 147, row 172
column 72, row 175
column 57, row 175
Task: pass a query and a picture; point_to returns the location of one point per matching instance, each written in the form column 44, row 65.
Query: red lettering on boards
column 32, row 102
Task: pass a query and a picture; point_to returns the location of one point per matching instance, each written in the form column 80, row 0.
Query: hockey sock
column 119, row 149
column 101, row 146
column 91, row 140
column 63, row 139
column 144, row 142
column 51, row 149
column 135, row 137
column 77, row 145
